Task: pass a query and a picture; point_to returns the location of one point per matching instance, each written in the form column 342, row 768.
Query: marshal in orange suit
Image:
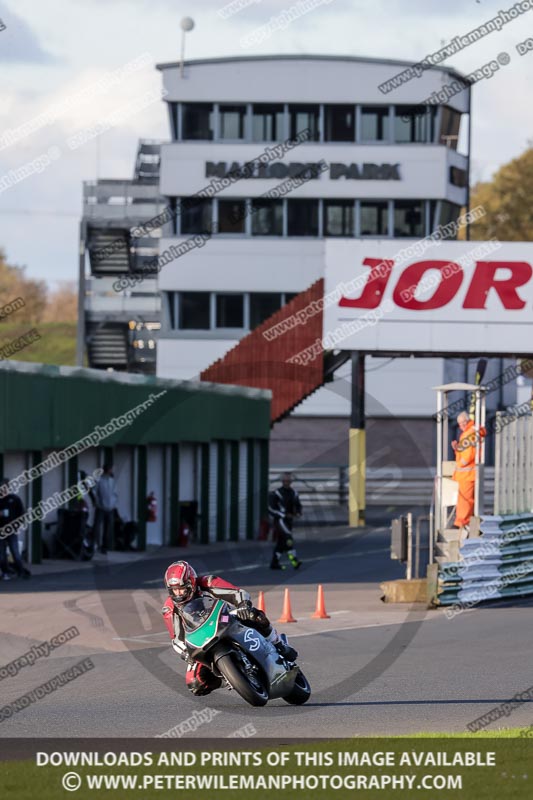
column 465, row 468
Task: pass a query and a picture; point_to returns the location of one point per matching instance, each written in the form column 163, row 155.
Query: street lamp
column 186, row 25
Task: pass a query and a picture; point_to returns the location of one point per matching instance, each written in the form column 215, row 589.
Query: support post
column 409, row 569
column 81, row 331
column 250, row 489
column 35, row 544
column 221, row 490
column 357, row 444
column 141, row 495
column 234, row 510
column 204, row 494
column 263, row 478
column 175, row 520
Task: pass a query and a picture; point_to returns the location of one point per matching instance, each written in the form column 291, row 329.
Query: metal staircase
column 109, row 251
column 108, row 346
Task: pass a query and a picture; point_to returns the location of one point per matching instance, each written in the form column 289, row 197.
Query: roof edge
column 132, row 379
column 306, row 57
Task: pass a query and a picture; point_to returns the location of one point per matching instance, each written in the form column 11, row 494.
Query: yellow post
column 357, row 477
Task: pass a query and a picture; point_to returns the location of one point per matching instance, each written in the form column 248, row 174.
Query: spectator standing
column 11, row 508
column 106, row 500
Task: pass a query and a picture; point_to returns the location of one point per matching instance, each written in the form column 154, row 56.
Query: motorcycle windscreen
column 200, row 619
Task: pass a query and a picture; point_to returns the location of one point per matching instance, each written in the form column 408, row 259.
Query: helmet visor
column 181, row 592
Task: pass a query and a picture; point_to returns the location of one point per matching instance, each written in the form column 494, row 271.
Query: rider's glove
column 245, row 611
column 180, row 649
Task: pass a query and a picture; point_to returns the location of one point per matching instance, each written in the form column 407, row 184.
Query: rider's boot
column 282, row 646
column 293, row 558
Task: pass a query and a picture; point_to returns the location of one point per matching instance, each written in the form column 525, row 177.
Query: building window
column 232, row 122
column 171, row 309
column 267, row 123
column 197, row 121
column 288, row 296
column 262, row 306
column 194, row 311
column 458, row 177
column 302, row 217
column 432, row 215
column 173, row 207
column 450, row 122
column 338, row 218
column 196, row 215
column 231, row 216
column 409, row 218
column 339, row 123
column 229, row 311
column 267, row 217
column 305, row 118
column 173, row 114
column 449, row 212
column 413, row 124
column 375, row 125
column 374, row 218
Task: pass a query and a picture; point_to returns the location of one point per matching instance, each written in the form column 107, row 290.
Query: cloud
column 421, row 8
column 19, row 43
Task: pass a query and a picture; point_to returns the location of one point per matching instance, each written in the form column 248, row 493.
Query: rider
column 183, row 584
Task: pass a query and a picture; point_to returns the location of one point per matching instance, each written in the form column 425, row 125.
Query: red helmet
column 180, row 575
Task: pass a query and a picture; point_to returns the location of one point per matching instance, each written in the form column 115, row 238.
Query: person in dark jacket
column 283, row 506
column 11, row 508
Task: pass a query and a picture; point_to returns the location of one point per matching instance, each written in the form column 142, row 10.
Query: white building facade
column 375, row 165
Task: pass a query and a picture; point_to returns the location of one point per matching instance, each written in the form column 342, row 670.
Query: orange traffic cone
column 261, row 602
column 320, row 612
column 286, row 614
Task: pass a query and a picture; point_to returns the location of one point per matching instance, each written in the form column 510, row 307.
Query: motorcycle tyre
column 300, row 692
column 229, row 669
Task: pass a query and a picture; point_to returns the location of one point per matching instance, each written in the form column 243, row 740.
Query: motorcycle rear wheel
column 231, row 670
column 300, row 692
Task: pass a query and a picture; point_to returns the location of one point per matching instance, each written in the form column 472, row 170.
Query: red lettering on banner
column 445, row 291
column 451, row 277
column 378, row 277
column 484, row 279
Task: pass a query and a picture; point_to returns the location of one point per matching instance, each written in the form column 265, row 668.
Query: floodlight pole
column 186, row 25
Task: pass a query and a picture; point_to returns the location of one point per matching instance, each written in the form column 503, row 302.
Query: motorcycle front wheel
column 250, row 688
column 300, row 692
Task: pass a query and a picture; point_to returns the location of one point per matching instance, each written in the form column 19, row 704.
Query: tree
column 63, row 303
column 507, row 201
column 15, row 284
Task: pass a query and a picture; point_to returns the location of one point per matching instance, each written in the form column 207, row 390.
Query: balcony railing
column 101, row 298
column 119, row 199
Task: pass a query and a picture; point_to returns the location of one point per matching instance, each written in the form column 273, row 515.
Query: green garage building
column 188, row 442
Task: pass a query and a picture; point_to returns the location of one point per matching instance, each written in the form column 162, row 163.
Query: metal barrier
column 513, row 478
column 327, row 486
column 496, row 565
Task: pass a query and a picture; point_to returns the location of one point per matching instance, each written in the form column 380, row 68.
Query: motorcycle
column 238, row 654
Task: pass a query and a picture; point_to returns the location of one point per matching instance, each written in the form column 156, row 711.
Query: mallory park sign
column 309, row 171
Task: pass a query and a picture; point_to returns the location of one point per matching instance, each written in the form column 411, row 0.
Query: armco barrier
column 327, row 486
column 497, row 564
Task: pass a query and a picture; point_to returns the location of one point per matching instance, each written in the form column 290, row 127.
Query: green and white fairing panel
column 207, row 630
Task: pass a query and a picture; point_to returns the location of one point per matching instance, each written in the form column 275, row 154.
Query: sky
column 76, row 62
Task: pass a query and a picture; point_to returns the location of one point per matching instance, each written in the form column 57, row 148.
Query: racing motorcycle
column 239, row 655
